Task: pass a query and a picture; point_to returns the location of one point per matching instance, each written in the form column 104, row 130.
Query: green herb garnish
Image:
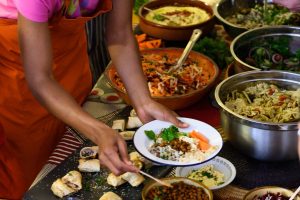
column 138, row 4
column 159, row 17
column 169, row 134
column 156, row 198
column 99, row 181
column 207, row 174
column 151, row 135
column 216, row 49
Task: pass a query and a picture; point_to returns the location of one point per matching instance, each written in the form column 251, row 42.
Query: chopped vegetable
column 168, row 134
column 195, row 134
column 150, row 135
column 138, row 4
column 216, row 49
column 272, row 53
column 144, row 42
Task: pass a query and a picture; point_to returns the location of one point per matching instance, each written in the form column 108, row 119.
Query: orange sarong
column 31, row 133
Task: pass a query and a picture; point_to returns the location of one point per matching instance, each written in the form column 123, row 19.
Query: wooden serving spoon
column 157, row 180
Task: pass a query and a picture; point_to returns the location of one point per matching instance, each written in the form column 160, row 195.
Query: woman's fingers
column 116, row 159
column 123, row 151
column 172, row 117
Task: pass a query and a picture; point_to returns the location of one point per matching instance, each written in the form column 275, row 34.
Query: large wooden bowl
column 174, row 33
column 175, row 102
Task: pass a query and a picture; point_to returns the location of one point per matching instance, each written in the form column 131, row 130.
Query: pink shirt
column 35, row 10
column 43, row 10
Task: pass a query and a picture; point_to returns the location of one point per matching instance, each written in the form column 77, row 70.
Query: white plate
column 220, row 164
column 142, row 142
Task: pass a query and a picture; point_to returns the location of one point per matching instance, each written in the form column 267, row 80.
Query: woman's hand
column 291, row 4
column 113, row 151
column 153, row 110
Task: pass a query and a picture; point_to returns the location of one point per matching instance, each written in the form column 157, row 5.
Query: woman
column 54, row 77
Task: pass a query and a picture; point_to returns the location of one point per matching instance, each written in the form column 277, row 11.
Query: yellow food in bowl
column 178, row 16
column 208, row 176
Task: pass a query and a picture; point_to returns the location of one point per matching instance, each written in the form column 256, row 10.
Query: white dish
column 142, row 142
column 220, row 164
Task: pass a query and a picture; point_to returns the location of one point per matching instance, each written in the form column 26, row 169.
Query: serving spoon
column 155, row 179
column 295, row 193
column 194, row 37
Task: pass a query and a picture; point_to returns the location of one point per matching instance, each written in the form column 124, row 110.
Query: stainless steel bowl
column 240, row 43
column 226, row 8
column 261, row 140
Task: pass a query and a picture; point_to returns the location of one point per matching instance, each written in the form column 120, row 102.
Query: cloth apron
column 31, row 133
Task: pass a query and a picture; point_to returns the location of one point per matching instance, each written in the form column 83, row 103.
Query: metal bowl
column 175, row 33
column 242, row 43
column 260, row 140
column 226, row 8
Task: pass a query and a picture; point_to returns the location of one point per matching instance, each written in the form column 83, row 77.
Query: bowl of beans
column 183, row 188
column 269, row 193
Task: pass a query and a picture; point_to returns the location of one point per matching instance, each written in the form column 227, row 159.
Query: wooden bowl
column 171, row 180
column 176, row 33
column 175, row 102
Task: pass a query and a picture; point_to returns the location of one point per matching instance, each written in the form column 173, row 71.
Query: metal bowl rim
column 217, row 14
column 235, row 40
column 220, row 103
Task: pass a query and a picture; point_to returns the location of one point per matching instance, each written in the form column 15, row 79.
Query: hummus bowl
column 161, row 19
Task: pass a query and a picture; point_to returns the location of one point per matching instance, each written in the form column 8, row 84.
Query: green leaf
column 150, row 134
column 138, row 4
column 159, row 17
column 169, row 134
column 156, row 198
column 216, row 49
column 207, row 174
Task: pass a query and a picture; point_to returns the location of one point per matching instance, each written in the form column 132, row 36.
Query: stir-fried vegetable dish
column 266, row 102
column 193, row 75
column 260, row 15
column 274, row 53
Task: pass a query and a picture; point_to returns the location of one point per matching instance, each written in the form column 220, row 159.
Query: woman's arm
column 35, row 43
column 124, row 54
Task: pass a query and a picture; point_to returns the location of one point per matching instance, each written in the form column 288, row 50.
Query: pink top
column 43, row 10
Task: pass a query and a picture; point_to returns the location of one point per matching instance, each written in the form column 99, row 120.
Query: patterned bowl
column 220, row 164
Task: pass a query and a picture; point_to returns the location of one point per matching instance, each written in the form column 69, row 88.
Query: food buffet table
column 104, row 106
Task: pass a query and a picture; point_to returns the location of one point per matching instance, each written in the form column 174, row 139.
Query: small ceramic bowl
column 187, row 181
column 219, row 164
column 260, row 191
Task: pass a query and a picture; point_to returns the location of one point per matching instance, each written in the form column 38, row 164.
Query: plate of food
column 165, row 144
column 214, row 174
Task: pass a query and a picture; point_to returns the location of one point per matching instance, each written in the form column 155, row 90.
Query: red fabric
column 203, row 111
